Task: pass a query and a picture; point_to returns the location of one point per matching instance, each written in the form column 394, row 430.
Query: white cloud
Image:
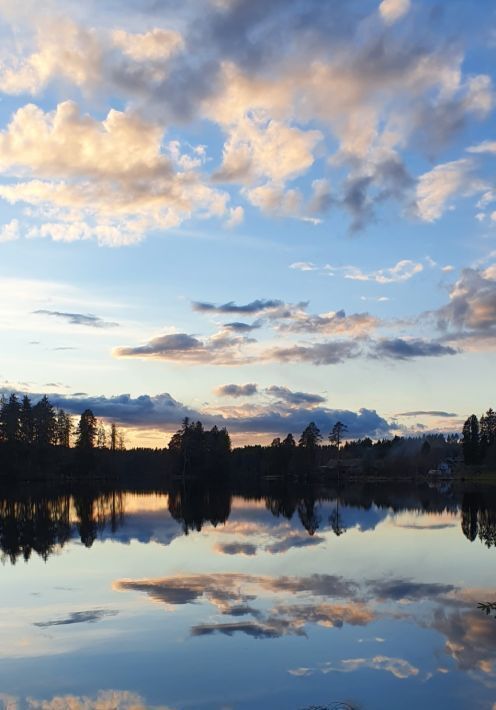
column 92, row 59
column 303, row 266
column 280, row 94
column 236, row 216
column 393, row 10
column 259, row 147
column 156, row 44
column 484, row 147
column 403, row 270
column 109, row 179
column 437, row 188
column 9, row 232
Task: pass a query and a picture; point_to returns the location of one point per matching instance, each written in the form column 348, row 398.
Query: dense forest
column 39, row 441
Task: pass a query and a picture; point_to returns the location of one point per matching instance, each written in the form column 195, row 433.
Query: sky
column 258, row 214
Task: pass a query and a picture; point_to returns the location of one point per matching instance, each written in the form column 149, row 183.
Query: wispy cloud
column 78, row 318
column 427, row 413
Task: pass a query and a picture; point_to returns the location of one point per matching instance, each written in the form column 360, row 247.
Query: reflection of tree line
column 479, row 517
column 42, row 524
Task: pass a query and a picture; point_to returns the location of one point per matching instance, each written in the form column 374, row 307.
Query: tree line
column 41, row 425
column 479, row 438
column 194, row 448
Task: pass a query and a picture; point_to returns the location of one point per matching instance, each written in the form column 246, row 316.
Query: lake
column 285, row 596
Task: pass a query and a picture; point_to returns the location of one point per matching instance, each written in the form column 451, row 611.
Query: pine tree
column 310, row 437
column 64, row 429
column 44, row 424
column 470, row 440
column 86, row 430
column 10, row 420
column 336, row 434
column 26, row 421
column 101, row 436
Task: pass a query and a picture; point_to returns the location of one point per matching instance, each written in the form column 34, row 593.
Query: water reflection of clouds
column 284, row 544
column 277, row 535
column 78, row 617
column 398, row 667
column 291, row 604
column 103, row 700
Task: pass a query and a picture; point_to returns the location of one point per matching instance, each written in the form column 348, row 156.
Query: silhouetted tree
column 310, row 437
column 113, row 437
column 86, row 430
column 26, row 422
column 337, row 433
column 101, row 436
column 44, row 424
column 289, row 442
column 10, row 420
column 470, row 440
column 64, row 429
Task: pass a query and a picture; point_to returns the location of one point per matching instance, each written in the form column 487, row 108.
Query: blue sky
column 295, row 195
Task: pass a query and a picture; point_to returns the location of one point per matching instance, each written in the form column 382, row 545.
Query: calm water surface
column 283, row 599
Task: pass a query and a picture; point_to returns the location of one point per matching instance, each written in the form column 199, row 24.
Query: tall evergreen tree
column 64, row 428
column 470, row 442
column 26, row 421
column 101, row 436
column 86, row 430
column 10, row 420
column 44, row 423
column 310, row 437
column 337, row 433
column 113, row 437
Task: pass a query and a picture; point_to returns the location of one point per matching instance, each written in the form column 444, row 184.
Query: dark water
column 283, row 597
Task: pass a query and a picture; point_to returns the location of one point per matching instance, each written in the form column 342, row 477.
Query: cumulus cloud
column 165, row 413
column 90, row 58
column 470, row 314
column 258, row 147
column 108, row 179
column 282, row 83
column 78, row 318
column 145, row 411
column 247, row 390
column 330, row 323
column 222, row 348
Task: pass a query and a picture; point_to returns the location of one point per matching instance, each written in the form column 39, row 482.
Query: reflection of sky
column 248, row 614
